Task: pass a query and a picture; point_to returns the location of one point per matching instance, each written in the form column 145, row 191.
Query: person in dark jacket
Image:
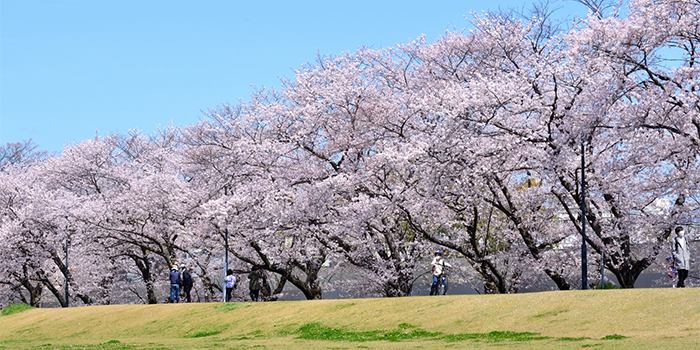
column 681, row 256
column 175, row 282
column 254, row 283
column 186, row 282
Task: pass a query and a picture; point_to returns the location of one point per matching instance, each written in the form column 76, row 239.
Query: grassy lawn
column 597, row 319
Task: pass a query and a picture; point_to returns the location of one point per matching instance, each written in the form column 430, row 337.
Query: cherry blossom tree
column 253, row 200
column 544, row 104
column 360, row 166
column 36, row 228
column 642, row 104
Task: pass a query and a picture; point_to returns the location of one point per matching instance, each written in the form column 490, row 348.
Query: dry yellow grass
column 648, row 318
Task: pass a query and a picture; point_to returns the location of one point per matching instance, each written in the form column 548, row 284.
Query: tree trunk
column 34, row 290
column 144, row 267
column 511, row 212
column 309, row 286
column 58, row 294
column 401, row 287
column 35, row 295
column 211, row 287
column 271, row 295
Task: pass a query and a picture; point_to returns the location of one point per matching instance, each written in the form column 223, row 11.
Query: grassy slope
column 649, row 318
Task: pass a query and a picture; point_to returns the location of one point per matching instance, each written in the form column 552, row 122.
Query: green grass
column 496, row 336
column 317, row 331
column 608, row 285
column 605, row 319
column 15, row 308
column 226, row 307
column 573, row 339
column 109, row 345
column 550, row 313
column 613, row 337
column 203, row 334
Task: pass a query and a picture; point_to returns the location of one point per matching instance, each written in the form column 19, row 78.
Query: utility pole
column 584, row 258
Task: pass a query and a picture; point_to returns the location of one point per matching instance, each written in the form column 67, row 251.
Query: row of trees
column 352, row 173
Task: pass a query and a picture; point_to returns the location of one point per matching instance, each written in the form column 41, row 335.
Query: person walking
column 681, row 256
column 175, row 282
column 254, row 282
column 439, row 265
column 186, row 282
column 230, row 284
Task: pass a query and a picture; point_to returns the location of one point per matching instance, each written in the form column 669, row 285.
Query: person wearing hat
column 439, row 265
column 186, row 282
column 175, row 285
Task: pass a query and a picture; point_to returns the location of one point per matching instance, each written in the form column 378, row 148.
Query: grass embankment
column 601, row 319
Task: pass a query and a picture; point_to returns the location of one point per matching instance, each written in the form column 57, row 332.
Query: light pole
column 225, row 263
column 602, row 267
column 67, row 272
column 584, row 258
column 226, row 190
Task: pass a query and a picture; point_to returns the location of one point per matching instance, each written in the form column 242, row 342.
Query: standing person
column 265, row 289
column 439, row 265
column 175, row 282
column 254, row 282
column 186, row 282
column 681, row 256
column 230, row 284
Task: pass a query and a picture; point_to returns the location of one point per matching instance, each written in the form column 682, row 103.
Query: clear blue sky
column 70, row 68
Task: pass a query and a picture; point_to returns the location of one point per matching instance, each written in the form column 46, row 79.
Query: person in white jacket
column 681, row 256
column 439, row 265
column 230, row 284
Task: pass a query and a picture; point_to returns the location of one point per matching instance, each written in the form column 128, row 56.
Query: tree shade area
column 355, row 171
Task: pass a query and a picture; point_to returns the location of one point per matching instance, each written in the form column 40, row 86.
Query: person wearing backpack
column 186, row 282
column 681, row 256
column 439, row 264
column 230, row 284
